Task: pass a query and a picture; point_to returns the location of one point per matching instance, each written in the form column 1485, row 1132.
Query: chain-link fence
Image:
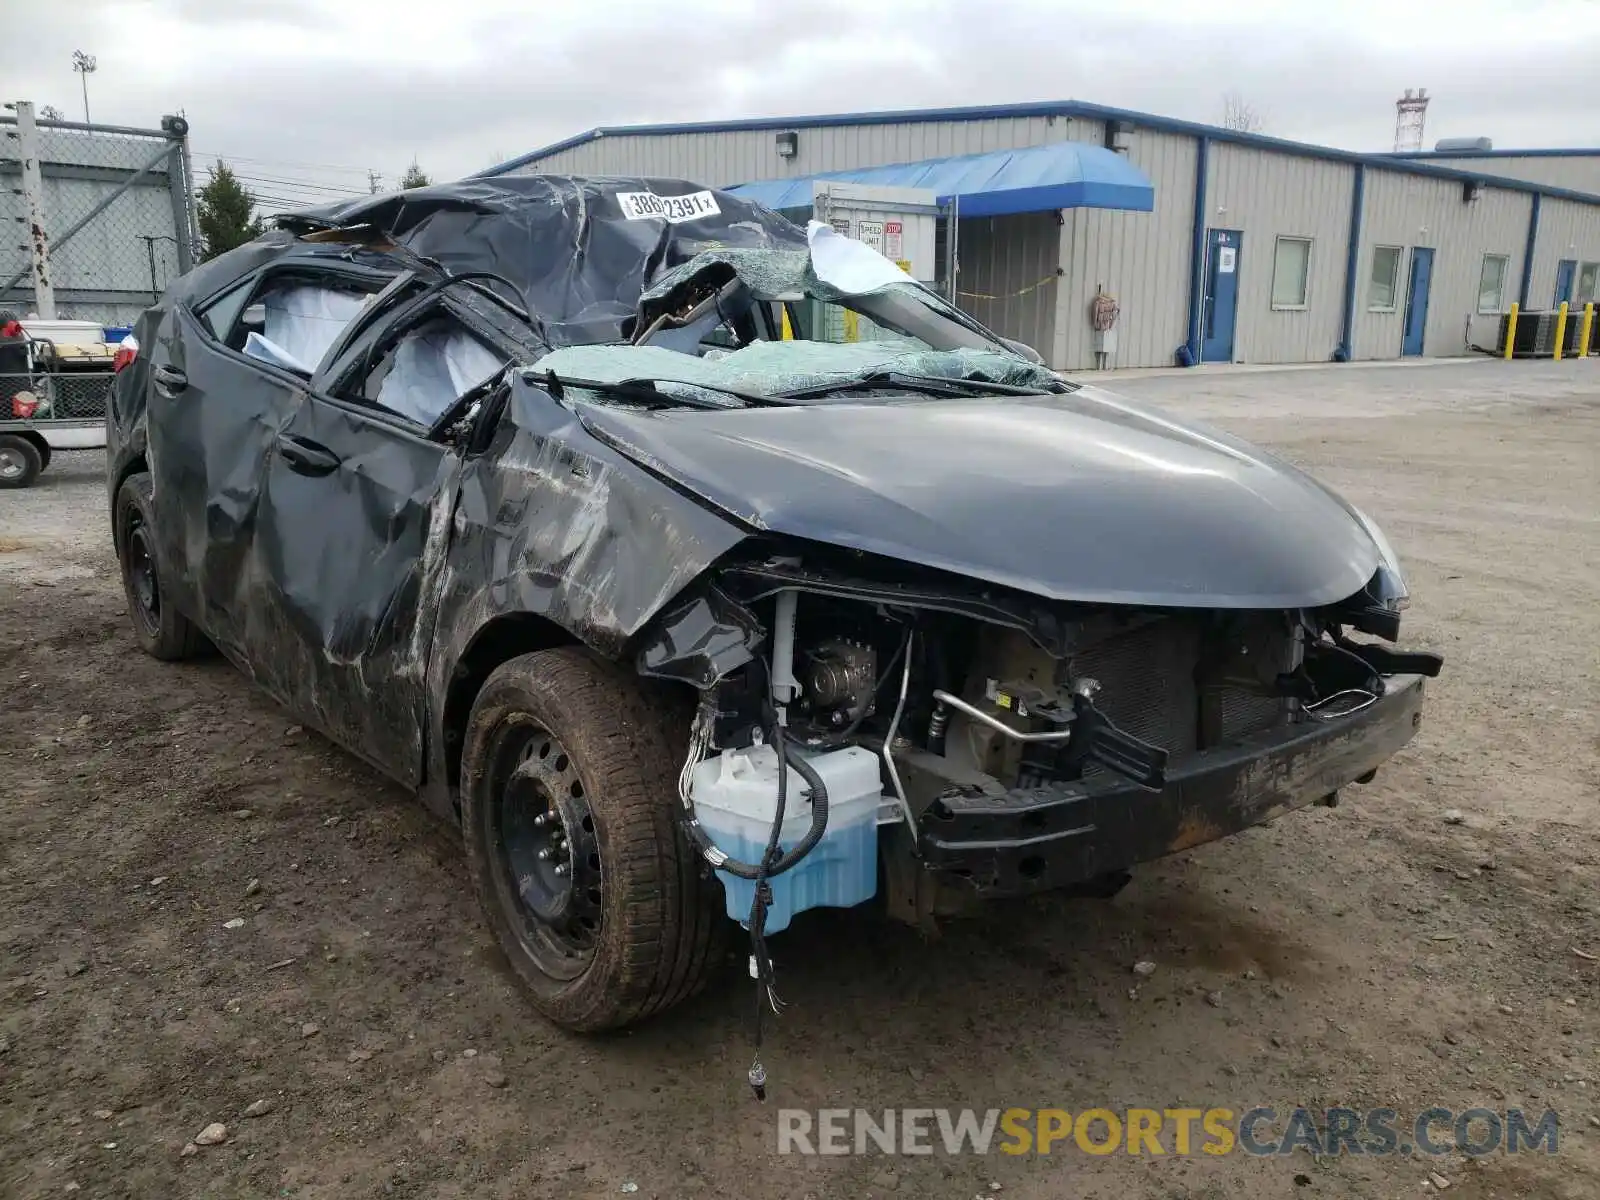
column 94, row 219
column 78, row 396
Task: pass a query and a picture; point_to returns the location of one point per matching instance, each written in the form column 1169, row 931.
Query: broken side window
column 426, row 369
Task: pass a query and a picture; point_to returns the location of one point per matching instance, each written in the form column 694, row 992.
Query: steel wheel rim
column 12, row 464
column 140, row 567
column 547, row 871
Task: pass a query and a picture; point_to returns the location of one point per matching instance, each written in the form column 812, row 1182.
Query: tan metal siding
column 1266, row 195
column 1141, row 258
column 1580, row 173
column 744, row 156
column 1410, row 210
column 1566, row 230
column 1008, row 275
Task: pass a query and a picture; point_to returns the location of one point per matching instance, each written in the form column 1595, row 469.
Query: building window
column 1588, row 278
column 1492, row 283
column 1385, row 283
column 1291, row 269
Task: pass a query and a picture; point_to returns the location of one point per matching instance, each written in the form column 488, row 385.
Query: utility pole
column 84, row 65
column 44, row 294
column 374, row 180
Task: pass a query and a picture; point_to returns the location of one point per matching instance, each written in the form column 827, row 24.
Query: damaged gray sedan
column 701, row 566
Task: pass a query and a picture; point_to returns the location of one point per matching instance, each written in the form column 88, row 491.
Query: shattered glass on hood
column 832, row 268
column 772, row 368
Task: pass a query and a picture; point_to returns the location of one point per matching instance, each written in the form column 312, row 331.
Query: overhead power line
column 299, row 185
column 282, row 162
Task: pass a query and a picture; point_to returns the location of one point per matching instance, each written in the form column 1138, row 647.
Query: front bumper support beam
column 1034, row 839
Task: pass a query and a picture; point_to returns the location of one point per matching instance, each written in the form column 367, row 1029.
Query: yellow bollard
column 1511, row 329
column 1586, row 330
column 1561, row 328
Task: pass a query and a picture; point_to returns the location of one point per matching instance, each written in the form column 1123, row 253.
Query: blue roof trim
column 1052, row 108
column 996, row 184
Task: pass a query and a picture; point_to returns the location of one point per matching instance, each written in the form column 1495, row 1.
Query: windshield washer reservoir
column 735, row 798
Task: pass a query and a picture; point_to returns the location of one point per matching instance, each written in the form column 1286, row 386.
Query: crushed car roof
column 581, row 250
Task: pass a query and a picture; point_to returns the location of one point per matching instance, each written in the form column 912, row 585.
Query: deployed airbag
column 433, row 366
column 303, row 321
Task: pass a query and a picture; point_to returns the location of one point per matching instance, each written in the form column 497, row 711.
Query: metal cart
column 52, row 397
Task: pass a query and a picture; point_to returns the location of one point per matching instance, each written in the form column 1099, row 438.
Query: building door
column 1565, row 270
column 1223, row 247
column 1417, row 300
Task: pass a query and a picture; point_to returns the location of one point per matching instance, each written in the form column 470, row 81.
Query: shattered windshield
column 831, row 319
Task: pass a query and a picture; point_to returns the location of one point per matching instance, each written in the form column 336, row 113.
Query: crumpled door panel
column 207, row 444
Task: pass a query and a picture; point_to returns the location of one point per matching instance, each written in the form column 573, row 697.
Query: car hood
column 1079, row 497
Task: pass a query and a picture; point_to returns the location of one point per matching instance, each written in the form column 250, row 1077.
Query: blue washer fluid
column 735, row 797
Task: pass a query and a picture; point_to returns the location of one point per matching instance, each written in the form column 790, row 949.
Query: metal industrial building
column 1247, row 248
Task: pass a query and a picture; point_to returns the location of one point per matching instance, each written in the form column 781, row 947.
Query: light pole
column 84, row 65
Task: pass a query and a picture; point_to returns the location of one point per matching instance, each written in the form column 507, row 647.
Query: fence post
column 1586, row 329
column 1561, row 328
column 180, row 208
column 44, row 293
column 1511, row 329
column 180, row 176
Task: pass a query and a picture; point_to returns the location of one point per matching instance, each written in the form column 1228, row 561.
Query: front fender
column 552, row 523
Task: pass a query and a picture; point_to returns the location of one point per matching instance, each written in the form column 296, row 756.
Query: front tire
column 161, row 630
column 568, row 807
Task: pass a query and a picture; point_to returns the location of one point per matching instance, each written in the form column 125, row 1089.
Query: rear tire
column 635, row 923
column 20, row 461
column 161, row 630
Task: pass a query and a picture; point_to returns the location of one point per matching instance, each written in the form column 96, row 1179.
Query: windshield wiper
column 934, row 385
column 644, row 391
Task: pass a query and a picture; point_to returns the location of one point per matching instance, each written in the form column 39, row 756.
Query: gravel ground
column 1376, row 954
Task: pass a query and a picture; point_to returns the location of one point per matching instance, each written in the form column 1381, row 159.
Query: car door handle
column 170, row 379
column 306, row 457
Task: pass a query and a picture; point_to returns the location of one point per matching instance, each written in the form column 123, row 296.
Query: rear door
column 353, row 523
column 214, row 412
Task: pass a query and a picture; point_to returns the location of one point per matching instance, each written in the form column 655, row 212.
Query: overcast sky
column 306, row 95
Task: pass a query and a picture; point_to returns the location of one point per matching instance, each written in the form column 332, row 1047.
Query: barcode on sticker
column 639, row 206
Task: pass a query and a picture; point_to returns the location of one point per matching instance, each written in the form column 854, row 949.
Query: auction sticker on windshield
column 639, row 206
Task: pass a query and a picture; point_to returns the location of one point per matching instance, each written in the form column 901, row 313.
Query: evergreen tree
column 414, row 177
column 226, row 210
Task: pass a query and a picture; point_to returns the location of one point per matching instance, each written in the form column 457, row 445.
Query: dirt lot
column 1369, row 955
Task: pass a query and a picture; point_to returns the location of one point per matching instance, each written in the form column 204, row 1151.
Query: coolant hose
column 819, row 822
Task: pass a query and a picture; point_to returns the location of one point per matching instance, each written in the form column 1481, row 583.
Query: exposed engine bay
column 969, row 698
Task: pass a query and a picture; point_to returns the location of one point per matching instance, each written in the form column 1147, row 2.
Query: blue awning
column 1001, row 182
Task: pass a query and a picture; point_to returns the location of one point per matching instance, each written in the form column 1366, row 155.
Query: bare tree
column 1238, row 113
column 51, row 113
